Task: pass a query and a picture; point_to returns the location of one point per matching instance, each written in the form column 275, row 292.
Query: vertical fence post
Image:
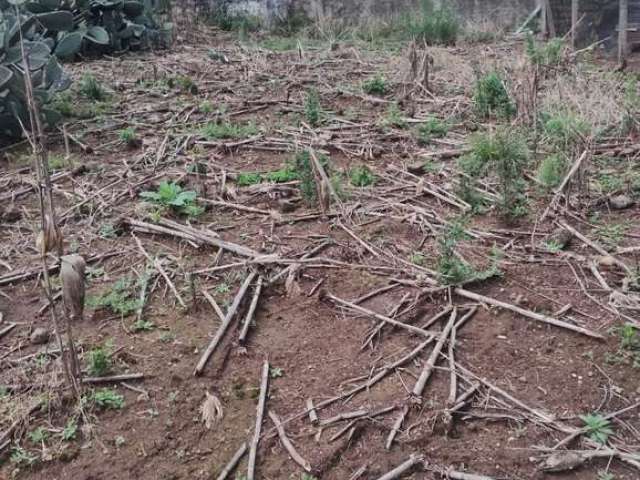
column 574, row 22
column 623, row 25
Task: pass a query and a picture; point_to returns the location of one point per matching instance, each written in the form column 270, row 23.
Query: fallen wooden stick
column 114, row 378
column 252, row 308
column 286, row 443
column 214, row 304
column 225, row 325
column 527, row 313
column 233, row 462
column 454, row 475
column 418, row 387
column 7, row 329
column 377, row 316
column 253, row 450
column 403, row 467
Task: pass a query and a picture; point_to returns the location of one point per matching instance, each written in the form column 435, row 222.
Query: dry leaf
column 49, row 238
column 211, row 410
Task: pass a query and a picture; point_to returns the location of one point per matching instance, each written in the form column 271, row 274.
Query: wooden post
column 623, row 25
column 574, row 22
column 543, row 17
column 550, row 23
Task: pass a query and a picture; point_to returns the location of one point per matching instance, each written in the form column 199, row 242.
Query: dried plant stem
column 253, row 450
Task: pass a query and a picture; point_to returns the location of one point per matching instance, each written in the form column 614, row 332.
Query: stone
column 39, row 336
column 286, row 206
column 620, row 202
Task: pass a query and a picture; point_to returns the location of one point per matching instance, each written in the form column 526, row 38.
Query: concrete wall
column 502, row 12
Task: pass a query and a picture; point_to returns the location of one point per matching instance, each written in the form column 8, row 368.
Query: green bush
column 506, row 153
column 564, row 129
column 170, row 195
column 491, row 98
column 306, row 174
column 544, row 54
column 434, row 25
column 361, row 176
column 551, row 171
column 312, row 108
column 432, row 128
column 376, row 85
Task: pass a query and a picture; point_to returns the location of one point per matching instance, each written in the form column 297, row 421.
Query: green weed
column 120, row 298
column 70, row 430
column 99, row 360
column 432, row 128
column 506, row 153
column 306, row 174
column 611, row 234
column 597, row 426
column 57, row 162
column 143, row 326
column 127, row 135
column 563, row 129
column 105, row 399
column 91, row 88
column 491, row 98
column 376, row 85
column 276, row 372
column 21, row 457
column 171, row 195
column 38, row 435
column 228, row 21
column 544, row 54
column 246, row 179
column 206, row 107
column 312, row 108
column 418, row 258
column 452, row 270
column 551, row 171
column 394, row 117
column 361, row 176
column 227, row 130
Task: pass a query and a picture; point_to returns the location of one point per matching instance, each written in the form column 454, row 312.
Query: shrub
column 312, row 108
column 376, row 85
column 506, row 153
column 91, row 88
column 306, row 174
column 361, row 176
column 544, row 54
column 432, row 128
column 120, row 299
column 227, row 130
column 551, row 171
column 106, row 399
column 564, row 129
column 99, row 360
column 491, row 98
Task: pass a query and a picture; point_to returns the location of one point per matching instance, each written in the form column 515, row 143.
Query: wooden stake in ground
column 253, row 450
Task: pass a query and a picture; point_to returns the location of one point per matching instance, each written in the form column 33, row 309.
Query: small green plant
column 563, row 129
column 91, row 88
column 306, row 174
column 222, row 288
column 206, row 107
column 491, row 98
column 505, row 152
column 285, row 174
column 167, row 337
column 553, row 246
column 394, row 117
column 597, row 427
column 246, row 179
column 544, row 54
column 452, row 270
column 143, row 326
column 276, row 372
column 70, row 430
column 99, row 360
column 418, row 258
column 312, row 108
column 21, row 457
column 361, row 176
column 628, row 337
column 119, row 299
column 226, row 130
column 38, row 435
column 107, row 230
column 171, row 195
column 551, row 171
column 611, row 234
column 230, row 21
column 128, row 136
column 185, row 84
column 609, row 183
column 57, row 162
column 106, row 399
column 432, row 128
column 605, row 476
column 376, row 85
column 119, row 441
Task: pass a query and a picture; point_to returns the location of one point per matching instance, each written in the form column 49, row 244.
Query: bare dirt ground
column 523, row 384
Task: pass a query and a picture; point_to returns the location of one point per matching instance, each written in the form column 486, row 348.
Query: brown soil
column 313, row 346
